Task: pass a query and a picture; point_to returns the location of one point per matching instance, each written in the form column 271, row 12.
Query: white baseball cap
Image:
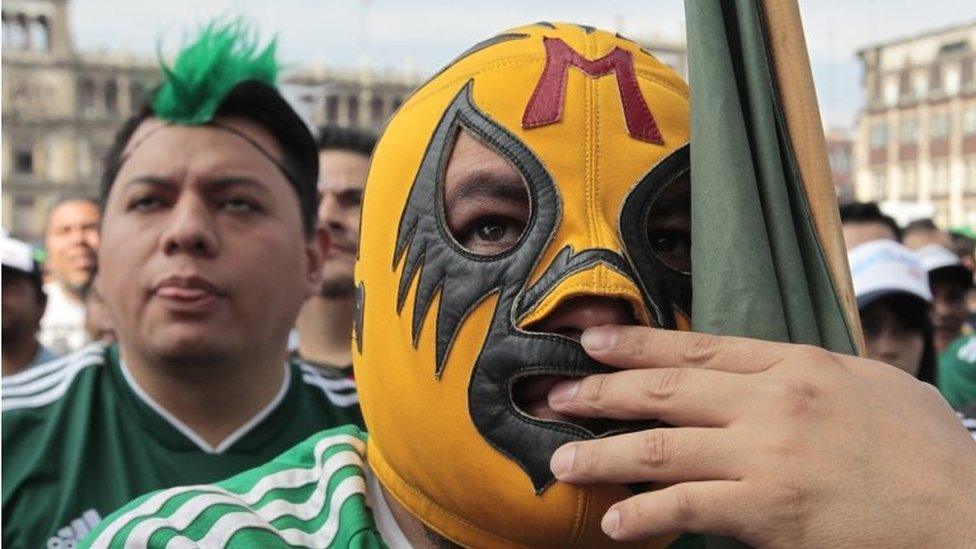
column 18, row 255
column 939, row 259
column 883, row 267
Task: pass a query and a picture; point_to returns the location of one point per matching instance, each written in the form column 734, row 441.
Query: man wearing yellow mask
column 535, row 189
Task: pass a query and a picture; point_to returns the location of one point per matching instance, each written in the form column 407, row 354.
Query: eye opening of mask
column 484, row 198
column 667, row 222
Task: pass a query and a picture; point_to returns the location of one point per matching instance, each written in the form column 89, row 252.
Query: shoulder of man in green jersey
column 80, row 439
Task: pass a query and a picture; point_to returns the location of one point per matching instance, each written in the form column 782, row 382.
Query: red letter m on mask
column 546, row 105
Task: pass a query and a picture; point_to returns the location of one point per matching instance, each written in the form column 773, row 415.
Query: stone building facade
column 61, row 109
column 915, row 146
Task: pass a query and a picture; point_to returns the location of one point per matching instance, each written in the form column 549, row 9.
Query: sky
column 421, row 35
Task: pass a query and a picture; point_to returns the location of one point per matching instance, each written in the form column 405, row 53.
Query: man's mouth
column 531, row 396
column 188, row 293
column 82, row 260
column 346, row 248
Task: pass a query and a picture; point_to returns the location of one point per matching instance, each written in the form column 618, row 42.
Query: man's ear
column 317, row 248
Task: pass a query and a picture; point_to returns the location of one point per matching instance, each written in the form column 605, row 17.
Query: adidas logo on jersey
column 69, row 536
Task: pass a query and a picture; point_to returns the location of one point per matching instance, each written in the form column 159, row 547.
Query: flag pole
column 794, row 82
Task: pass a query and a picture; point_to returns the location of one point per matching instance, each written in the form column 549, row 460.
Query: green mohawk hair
column 224, row 55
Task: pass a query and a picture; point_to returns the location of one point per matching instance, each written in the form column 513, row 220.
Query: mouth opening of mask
column 530, row 394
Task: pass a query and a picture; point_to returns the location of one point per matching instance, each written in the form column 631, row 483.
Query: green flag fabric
column 759, row 268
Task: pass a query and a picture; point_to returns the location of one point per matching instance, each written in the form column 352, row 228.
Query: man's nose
column 574, row 315
column 329, row 214
column 191, row 229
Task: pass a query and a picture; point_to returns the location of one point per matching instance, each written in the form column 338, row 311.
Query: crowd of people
column 915, row 288
column 178, row 363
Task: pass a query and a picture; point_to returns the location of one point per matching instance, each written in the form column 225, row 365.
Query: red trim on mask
column 546, row 105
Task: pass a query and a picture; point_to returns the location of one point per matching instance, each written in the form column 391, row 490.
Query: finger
column 643, row 347
column 654, row 455
column 712, row 507
column 680, row 396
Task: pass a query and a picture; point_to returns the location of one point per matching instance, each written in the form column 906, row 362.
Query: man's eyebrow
column 487, row 184
column 149, row 180
column 219, row 182
column 238, row 181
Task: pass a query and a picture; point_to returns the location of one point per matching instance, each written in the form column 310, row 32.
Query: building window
column 935, row 77
column 908, row 131
column 880, row 182
column 376, row 114
column 967, row 72
column 909, row 182
column 137, row 95
column 15, row 32
column 940, row 178
column 86, row 97
column 111, row 97
column 23, row 214
column 969, row 185
column 40, row 35
column 24, row 160
column 353, row 111
column 969, row 121
column 331, row 109
column 905, row 84
column 939, row 126
column 879, row 135
column 840, row 161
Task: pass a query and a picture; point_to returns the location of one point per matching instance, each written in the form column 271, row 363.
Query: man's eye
column 490, row 235
column 239, row 205
column 145, row 203
column 491, row 231
column 672, row 246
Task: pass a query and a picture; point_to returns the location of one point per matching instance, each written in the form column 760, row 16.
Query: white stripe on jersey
column 343, row 400
column 48, row 395
column 187, row 513
column 330, row 382
column 288, row 478
column 228, row 525
column 969, row 423
column 44, row 383
column 53, row 367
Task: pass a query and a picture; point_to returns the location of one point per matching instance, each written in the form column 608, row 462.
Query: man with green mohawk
column 209, row 249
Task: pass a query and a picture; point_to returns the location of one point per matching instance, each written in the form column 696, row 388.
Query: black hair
column 912, row 313
column 924, row 225
column 259, row 103
column 347, row 139
column 35, row 279
column 868, row 212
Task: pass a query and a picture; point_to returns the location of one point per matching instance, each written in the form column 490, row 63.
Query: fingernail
column 597, row 339
column 562, row 460
column 611, row 522
column 563, row 392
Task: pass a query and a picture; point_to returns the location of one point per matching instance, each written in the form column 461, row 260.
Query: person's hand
column 773, row 444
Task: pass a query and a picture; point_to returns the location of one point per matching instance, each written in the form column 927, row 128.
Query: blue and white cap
column 884, row 267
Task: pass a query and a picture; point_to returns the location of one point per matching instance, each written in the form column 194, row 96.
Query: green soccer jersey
column 313, row 495
column 80, row 439
column 957, row 372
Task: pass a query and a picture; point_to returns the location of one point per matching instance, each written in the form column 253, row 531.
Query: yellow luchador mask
column 546, row 164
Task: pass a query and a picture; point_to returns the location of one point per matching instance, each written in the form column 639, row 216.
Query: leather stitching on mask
column 657, row 279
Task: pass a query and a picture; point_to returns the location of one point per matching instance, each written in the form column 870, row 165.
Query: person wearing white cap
column 23, row 306
column 949, row 281
column 893, row 298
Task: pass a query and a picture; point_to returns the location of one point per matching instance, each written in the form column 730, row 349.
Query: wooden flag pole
column 794, row 80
